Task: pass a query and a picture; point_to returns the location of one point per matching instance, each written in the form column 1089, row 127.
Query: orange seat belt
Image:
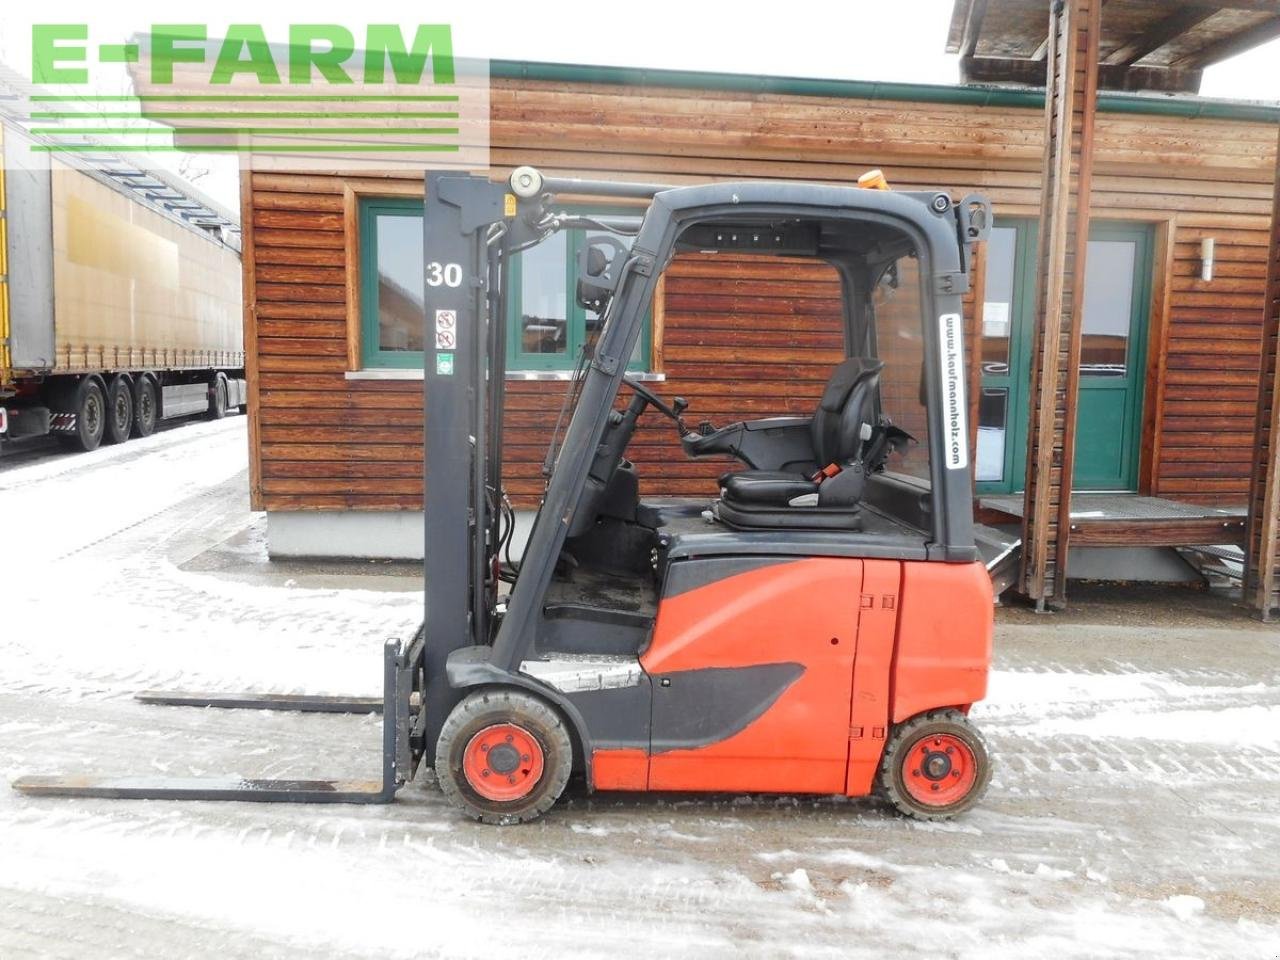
column 826, row 473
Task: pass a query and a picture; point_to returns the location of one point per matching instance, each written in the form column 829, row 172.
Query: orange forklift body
column 866, row 652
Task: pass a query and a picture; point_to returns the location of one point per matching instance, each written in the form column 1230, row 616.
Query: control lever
column 679, row 405
column 706, row 428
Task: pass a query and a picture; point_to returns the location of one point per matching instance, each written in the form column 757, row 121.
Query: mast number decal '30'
column 444, row 274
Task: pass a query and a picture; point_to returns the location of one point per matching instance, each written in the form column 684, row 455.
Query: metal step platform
column 1000, row 549
column 1224, row 562
column 402, row 739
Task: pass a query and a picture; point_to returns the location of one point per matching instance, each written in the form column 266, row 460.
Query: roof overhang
column 1146, row 44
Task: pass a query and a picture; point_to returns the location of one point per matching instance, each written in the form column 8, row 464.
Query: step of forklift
column 594, row 611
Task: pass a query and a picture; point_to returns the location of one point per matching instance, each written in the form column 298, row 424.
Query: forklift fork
column 402, row 738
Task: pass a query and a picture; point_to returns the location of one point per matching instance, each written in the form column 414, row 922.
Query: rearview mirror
column 599, row 265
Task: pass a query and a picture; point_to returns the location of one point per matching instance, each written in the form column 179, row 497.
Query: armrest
column 772, row 443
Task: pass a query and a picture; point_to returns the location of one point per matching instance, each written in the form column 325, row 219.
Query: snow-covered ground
column 1135, row 810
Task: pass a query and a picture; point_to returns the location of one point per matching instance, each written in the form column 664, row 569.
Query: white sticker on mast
column 950, row 341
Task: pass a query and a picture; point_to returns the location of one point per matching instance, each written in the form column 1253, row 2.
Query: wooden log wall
column 1262, row 591
column 1074, row 34
column 324, row 442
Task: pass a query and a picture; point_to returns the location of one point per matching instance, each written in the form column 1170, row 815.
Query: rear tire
column 89, row 404
column 145, row 407
column 218, row 398
column 119, row 410
column 936, row 765
column 503, row 757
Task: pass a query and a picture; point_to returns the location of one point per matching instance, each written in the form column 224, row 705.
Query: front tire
column 503, row 757
column 935, row 766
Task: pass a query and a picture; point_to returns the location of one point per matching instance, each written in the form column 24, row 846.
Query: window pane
column 900, row 344
column 400, row 309
column 544, row 299
column 1108, row 305
column 993, row 412
column 997, row 311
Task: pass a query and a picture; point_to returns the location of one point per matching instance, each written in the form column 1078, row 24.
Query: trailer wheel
column 145, row 407
column 218, row 398
column 503, row 757
column 935, row 766
column 119, row 418
column 89, row 404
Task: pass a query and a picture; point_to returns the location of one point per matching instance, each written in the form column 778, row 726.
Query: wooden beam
column 1200, row 531
column 1261, row 6
column 1160, row 33
column 1262, row 550
column 1162, row 295
column 973, row 27
column 1110, row 76
column 1229, row 46
column 351, row 263
column 1070, row 107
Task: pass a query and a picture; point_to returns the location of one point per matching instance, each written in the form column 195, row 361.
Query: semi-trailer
column 119, row 298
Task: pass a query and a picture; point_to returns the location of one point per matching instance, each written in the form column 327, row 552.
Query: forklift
column 821, row 625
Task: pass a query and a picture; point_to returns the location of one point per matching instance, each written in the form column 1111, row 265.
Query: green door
column 1113, row 353
column 1112, row 357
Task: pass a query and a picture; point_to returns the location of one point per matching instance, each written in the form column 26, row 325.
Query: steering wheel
column 652, row 399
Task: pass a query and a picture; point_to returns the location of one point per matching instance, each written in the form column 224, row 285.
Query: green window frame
column 371, row 352
column 1016, row 380
column 373, row 355
column 575, row 336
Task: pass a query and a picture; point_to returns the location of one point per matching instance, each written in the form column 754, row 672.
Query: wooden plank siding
column 735, row 341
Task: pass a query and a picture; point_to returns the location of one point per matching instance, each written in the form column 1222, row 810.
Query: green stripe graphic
column 258, row 148
column 208, row 131
column 234, row 98
column 237, row 114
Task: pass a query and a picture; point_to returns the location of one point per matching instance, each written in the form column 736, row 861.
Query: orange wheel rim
column 939, row 770
column 503, row 762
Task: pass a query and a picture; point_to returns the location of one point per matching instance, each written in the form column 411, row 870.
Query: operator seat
column 839, row 431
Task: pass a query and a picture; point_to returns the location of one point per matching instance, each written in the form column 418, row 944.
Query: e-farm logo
column 56, row 48
column 384, row 92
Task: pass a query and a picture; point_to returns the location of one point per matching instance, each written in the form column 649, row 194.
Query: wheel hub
column 936, row 766
column 503, row 758
column 939, row 770
column 503, row 762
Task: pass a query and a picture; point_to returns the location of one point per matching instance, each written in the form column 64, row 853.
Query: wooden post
column 1262, row 546
column 1070, row 107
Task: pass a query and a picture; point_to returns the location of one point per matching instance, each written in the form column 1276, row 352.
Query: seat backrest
column 847, row 403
